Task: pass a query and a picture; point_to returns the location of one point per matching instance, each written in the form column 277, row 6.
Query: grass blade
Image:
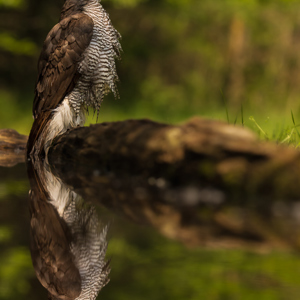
column 295, row 124
column 235, row 119
column 242, row 115
column 225, row 105
column 261, row 130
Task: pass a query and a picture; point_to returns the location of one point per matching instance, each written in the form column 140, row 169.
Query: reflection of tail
column 68, row 246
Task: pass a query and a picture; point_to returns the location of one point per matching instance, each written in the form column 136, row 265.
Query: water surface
column 147, row 262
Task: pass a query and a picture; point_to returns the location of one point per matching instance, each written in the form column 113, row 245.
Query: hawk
column 76, row 69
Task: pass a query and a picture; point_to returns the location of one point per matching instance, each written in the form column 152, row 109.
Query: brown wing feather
column 58, row 72
column 58, row 63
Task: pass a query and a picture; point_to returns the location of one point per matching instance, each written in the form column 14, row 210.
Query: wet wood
column 12, row 147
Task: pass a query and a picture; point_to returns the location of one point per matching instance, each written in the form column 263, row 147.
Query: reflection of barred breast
column 89, row 248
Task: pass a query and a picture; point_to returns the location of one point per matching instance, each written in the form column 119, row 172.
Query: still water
column 154, row 256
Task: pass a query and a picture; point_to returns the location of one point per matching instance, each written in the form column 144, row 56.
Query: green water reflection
column 144, row 264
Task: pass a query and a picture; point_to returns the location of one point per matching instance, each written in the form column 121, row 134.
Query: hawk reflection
column 68, row 245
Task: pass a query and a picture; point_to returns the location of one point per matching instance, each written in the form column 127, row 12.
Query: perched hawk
column 76, row 69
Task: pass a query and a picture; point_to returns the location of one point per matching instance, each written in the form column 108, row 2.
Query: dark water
column 157, row 259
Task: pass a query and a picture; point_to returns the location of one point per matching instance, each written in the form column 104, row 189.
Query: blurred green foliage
column 12, row 3
column 18, row 47
column 181, row 58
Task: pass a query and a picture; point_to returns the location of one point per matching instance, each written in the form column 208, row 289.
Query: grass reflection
column 146, row 265
column 170, row 271
column 15, row 272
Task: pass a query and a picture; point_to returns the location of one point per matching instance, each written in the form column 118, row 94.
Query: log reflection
column 68, row 245
column 203, row 183
column 12, row 147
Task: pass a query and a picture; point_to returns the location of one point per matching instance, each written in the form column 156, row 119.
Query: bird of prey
column 76, row 68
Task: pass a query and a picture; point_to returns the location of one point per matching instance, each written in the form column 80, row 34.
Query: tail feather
column 36, row 140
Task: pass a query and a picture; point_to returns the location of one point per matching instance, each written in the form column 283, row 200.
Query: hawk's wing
column 58, row 73
column 58, row 63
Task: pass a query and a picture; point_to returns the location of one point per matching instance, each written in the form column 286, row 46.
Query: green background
column 181, row 58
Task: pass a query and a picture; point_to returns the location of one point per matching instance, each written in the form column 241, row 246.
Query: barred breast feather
column 76, row 69
column 98, row 67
